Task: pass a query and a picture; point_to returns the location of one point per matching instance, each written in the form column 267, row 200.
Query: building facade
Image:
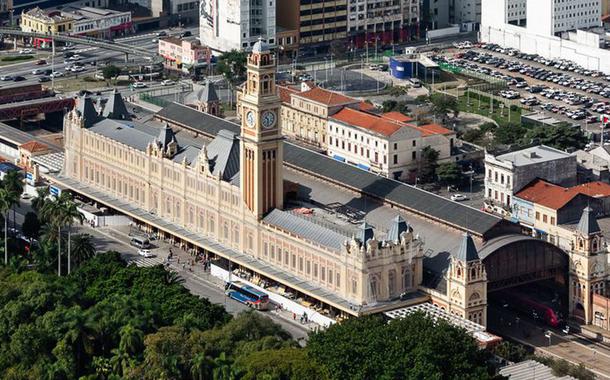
column 322, row 21
column 554, row 17
column 387, row 144
column 86, row 21
column 230, row 192
column 381, row 22
column 236, row 24
column 508, row 173
column 183, row 54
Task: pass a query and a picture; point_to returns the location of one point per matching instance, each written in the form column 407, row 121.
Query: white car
column 25, row 51
column 145, row 253
column 459, row 197
column 38, row 71
column 6, row 77
column 56, row 74
column 77, row 69
column 168, row 82
column 139, row 85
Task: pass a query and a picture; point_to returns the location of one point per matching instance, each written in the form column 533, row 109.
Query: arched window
column 474, row 296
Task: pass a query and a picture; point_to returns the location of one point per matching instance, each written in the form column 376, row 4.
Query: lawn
column 502, row 116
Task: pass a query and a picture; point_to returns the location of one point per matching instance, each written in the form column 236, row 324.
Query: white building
column 236, row 24
column 386, row 144
column 508, row 173
column 554, row 17
column 466, row 12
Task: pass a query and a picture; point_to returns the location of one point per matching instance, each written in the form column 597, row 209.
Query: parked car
column 186, row 33
column 459, row 197
column 168, row 82
column 145, row 253
column 139, row 85
column 26, row 51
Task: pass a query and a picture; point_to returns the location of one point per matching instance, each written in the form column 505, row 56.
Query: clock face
column 268, row 119
column 250, row 119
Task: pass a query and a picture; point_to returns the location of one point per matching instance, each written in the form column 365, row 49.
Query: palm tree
column 13, row 182
column 53, row 212
column 82, row 248
column 201, row 366
column 131, row 339
column 7, row 200
column 42, row 195
column 222, row 368
column 69, row 214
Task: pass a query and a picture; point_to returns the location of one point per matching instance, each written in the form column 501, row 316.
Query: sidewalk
column 186, row 264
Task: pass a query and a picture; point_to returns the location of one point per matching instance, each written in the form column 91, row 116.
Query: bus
column 248, row 295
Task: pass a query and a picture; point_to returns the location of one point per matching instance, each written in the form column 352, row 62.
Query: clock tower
column 261, row 149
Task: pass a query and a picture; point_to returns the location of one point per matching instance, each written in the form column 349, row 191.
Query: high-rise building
column 382, row 22
column 322, row 21
column 236, row 24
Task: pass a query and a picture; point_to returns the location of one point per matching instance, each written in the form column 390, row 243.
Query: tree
column 560, row 136
column 82, row 248
column 389, row 105
column 338, row 49
column 442, row 104
column 428, row 164
column 449, row 173
column 202, row 366
column 7, row 200
column 111, row 72
column 69, row 213
column 232, row 65
column 31, row 226
column 53, row 212
column 287, row 363
column 414, row 347
column 42, row 195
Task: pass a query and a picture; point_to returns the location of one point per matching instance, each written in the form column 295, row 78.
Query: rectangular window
column 552, row 220
column 395, row 159
column 308, row 267
column 286, row 257
column 414, row 155
column 300, row 264
column 330, row 276
column 544, row 219
column 537, row 215
column 294, row 260
column 338, row 282
column 315, row 270
column 323, row 273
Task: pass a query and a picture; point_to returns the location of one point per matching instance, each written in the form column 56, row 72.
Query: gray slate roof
column 85, row 106
column 398, row 226
column 588, row 222
column 306, row 229
column 204, row 123
column 115, row 107
column 223, row 155
column 205, row 93
column 123, row 132
column 533, row 155
column 414, row 199
column 467, row 251
column 166, row 136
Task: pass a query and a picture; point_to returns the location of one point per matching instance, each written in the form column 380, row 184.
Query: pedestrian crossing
column 145, row 261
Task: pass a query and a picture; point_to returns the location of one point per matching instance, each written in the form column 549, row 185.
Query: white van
column 416, row 82
column 140, row 242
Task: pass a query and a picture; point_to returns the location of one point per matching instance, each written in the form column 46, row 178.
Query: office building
column 236, row 24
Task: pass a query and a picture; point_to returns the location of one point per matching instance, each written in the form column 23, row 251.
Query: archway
column 527, row 283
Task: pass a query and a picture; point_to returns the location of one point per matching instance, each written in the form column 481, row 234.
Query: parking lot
column 557, row 87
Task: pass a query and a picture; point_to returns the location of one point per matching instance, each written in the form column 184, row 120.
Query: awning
column 339, row 158
column 363, row 167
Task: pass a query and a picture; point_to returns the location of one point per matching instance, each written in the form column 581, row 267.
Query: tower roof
column 115, row 107
column 86, row 108
column 588, row 222
column 467, row 251
column 398, row 226
column 166, row 135
column 365, row 233
column 260, row 46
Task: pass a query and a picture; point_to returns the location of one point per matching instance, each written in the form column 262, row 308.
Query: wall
column 515, row 37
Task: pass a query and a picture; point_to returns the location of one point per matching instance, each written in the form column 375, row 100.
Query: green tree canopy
column 31, row 226
column 449, row 173
column 232, row 65
column 429, row 158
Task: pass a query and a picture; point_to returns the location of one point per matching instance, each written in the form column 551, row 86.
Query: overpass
column 93, row 42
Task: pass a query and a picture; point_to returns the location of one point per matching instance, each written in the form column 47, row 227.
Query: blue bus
column 248, row 295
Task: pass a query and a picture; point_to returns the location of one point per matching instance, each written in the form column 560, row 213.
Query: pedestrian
column 178, row 259
column 294, row 316
column 183, row 266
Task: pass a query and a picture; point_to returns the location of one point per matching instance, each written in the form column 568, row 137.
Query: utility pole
column 52, row 63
